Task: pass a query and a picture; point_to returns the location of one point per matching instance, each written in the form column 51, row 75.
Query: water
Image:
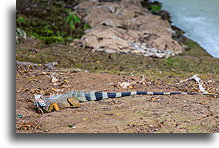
column 199, row 19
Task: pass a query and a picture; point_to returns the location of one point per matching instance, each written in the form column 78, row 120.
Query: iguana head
column 39, row 103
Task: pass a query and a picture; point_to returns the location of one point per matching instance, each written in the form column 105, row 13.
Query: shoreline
column 198, row 19
column 189, row 43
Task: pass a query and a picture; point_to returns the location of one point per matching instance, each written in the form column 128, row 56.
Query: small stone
column 19, row 116
column 71, row 126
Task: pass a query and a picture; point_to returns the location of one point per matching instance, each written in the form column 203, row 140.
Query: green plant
column 48, row 36
column 21, row 20
column 170, row 62
column 47, row 30
column 155, row 8
column 86, row 26
column 72, row 20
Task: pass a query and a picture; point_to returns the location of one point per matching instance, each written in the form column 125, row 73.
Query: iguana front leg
column 53, row 106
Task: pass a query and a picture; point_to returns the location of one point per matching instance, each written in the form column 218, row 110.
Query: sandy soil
column 136, row 114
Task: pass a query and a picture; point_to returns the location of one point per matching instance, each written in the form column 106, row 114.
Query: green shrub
column 21, row 20
column 155, row 8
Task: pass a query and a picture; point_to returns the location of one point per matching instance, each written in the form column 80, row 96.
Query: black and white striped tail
column 96, row 96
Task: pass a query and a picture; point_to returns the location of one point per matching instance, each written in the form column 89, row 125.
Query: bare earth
column 137, row 114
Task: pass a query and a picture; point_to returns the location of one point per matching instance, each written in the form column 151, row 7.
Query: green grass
column 69, row 57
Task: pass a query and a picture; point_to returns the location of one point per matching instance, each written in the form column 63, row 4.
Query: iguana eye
column 36, row 104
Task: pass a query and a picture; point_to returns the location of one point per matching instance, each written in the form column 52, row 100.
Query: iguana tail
column 96, row 96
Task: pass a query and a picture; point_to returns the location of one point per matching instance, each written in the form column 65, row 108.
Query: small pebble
column 19, row 116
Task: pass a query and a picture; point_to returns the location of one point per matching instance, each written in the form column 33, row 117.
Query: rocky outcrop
column 124, row 26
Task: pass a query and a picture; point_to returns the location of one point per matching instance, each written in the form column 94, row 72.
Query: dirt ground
column 135, row 114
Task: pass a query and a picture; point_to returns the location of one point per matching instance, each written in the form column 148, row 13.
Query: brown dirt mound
column 128, row 28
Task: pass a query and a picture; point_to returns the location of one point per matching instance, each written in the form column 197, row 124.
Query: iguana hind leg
column 74, row 102
column 53, row 106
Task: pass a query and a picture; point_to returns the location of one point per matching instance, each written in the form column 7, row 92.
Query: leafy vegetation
column 21, row 20
column 155, row 8
column 49, row 37
column 72, row 20
column 49, row 21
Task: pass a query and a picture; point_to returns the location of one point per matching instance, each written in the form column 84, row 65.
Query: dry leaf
column 84, row 119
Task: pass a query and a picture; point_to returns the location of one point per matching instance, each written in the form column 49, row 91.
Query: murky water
column 199, row 19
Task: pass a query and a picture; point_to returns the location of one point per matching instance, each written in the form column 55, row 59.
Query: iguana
column 74, row 98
